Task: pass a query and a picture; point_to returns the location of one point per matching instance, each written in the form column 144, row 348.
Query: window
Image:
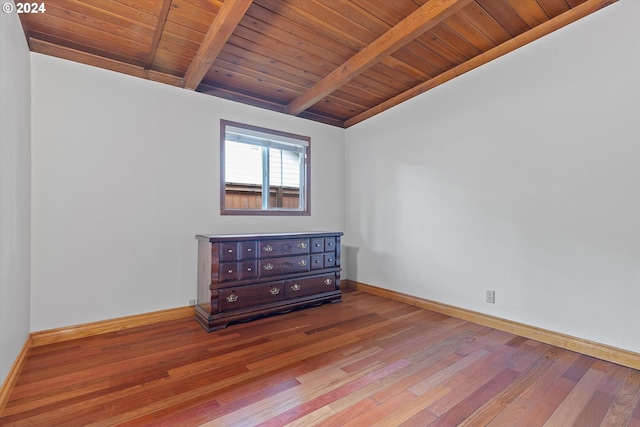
column 263, row 171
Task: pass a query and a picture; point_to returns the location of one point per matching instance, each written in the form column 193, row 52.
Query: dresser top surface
column 262, row 236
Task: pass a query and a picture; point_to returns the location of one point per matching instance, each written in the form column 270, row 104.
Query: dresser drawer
column 276, row 248
column 228, row 271
column 228, row 251
column 317, row 245
column 287, row 265
column 234, row 251
column 324, row 260
column 329, row 260
column 248, row 269
column 246, row 296
column 329, row 244
column 238, row 270
column 296, row 288
column 248, row 250
column 317, row 261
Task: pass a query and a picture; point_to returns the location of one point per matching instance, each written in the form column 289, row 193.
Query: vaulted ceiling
column 333, row 61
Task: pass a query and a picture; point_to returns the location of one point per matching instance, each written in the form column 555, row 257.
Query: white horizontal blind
column 248, row 136
column 284, row 168
column 243, row 163
column 267, row 160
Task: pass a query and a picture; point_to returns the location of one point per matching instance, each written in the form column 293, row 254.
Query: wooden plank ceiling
column 333, row 61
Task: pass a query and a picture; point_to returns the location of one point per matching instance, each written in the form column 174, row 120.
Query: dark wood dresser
column 244, row 276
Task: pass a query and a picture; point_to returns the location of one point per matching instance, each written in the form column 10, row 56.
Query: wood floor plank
column 359, row 407
column 401, row 414
column 543, row 377
column 336, row 393
column 379, row 412
column 419, row 373
column 365, row 361
column 626, row 404
column 313, row 418
column 595, row 410
column 429, row 383
column 289, row 400
column 547, row 404
column 475, row 400
column 497, row 404
column 467, row 382
column 575, row 402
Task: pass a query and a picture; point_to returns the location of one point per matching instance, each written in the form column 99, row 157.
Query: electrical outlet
column 192, row 302
column 491, row 296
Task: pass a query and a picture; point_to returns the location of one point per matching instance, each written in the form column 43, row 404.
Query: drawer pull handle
column 317, row 261
column 229, row 271
column 249, row 269
column 317, row 245
column 274, row 291
column 232, row 298
column 330, row 259
column 230, row 251
column 268, row 266
column 249, row 250
column 302, row 245
column 295, row 287
column 302, row 263
column 268, row 248
column 330, row 243
column 328, row 282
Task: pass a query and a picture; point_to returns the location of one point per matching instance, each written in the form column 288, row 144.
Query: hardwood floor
column 363, row 362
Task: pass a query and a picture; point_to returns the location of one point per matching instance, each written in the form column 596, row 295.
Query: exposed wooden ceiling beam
column 221, row 29
column 566, row 18
column 427, row 16
column 162, row 20
column 70, row 54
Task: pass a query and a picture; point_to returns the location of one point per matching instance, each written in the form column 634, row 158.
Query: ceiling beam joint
column 422, row 20
column 566, row 18
column 221, row 29
column 162, row 21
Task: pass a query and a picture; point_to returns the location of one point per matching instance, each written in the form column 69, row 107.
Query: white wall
column 125, row 174
column 522, row 176
column 15, row 138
